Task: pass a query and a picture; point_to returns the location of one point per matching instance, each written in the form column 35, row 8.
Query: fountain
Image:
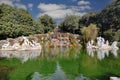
column 26, row 45
column 102, row 44
column 102, row 48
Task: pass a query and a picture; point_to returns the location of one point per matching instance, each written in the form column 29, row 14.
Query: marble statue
column 90, row 45
column 114, row 45
column 101, row 44
column 26, row 45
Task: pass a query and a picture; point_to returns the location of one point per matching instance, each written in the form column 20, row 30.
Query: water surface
column 59, row 64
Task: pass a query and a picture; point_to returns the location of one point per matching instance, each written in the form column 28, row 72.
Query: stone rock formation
column 25, row 44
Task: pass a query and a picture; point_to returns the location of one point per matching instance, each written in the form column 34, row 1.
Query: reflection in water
column 81, row 78
column 22, row 55
column 37, row 76
column 101, row 53
column 30, row 54
column 59, row 74
column 70, row 64
column 114, row 53
column 61, row 52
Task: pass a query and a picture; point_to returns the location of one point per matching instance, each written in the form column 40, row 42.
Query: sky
column 58, row 9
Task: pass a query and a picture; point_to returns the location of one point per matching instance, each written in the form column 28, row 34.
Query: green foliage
column 89, row 33
column 109, row 34
column 112, row 35
column 17, row 22
column 71, row 63
column 117, row 35
column 107, row 19
column 47, row 22
column 88, row 19
column 118, row 44
column 38, row 27
column 16, row 16
column 70, row 24
column 13, row 30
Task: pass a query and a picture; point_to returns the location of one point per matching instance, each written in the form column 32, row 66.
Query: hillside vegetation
column 17, row 22
column 107, row 21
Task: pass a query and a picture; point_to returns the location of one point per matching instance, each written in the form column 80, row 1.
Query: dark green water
column 59, row 64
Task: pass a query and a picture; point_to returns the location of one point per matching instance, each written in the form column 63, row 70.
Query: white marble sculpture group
column 26, row 45
column 102, row 44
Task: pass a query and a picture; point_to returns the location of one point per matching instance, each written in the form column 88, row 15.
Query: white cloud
column 30, row 6
column 85, row 7
column 13, row 3
column 59, row 11
column 18, row 5
column 82, row 2
column 56, row 14
column 50, row 7
column 8, row 2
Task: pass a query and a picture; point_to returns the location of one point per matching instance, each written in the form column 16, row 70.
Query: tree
column 117, row 35
column 15, row 22
column 106, row 19
column 47, row 22
column 89, row 33
column 38, row 27
column 70, row 24
column 109, row 34
column 16, row 16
